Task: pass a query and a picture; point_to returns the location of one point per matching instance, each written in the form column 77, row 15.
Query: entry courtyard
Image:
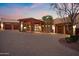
column 15, row 43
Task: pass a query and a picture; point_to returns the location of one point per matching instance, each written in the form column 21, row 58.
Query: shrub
column 72, row 38
column 68, row 39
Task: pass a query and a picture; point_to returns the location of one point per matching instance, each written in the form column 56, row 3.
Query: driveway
column 15, row 43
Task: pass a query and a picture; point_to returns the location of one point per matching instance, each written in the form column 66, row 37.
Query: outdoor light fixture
column 47, row 17
column 24, row 27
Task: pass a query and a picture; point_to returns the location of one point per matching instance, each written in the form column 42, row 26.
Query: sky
column 25, row 10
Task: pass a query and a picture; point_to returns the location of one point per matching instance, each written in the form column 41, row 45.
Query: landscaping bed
column 73, row 45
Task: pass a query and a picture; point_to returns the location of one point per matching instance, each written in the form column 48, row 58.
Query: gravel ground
column 15, row 43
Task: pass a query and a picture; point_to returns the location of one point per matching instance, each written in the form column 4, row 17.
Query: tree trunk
column 71, row 30
column 72, row 23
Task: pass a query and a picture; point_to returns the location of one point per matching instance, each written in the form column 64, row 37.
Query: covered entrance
column 30, row 25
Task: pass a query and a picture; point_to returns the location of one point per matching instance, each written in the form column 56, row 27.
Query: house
column 24, row 25
column 60, row 25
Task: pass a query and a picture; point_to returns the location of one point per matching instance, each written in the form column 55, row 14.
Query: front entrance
column 27, row 27
column 37, row 28
column 31, row 27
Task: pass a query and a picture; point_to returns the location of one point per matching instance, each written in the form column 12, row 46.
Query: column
column 53, row 27
column 74, row 29
column 64, row 30
column 12, row 27
column 2, row 25
column 21, row 26
column 32, row 27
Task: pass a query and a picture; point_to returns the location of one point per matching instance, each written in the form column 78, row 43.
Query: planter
column 71, row 39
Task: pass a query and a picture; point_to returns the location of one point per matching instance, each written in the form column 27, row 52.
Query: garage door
column 7, row 26
column 59, row 29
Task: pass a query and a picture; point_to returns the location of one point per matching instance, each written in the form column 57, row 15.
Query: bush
column 68, row 39
column 72, row 38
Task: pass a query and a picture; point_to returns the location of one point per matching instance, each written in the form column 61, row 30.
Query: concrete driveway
column 15, row 43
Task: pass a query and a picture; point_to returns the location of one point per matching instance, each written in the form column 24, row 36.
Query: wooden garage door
column 7, row 26
column 0, row 25
column 59, row 29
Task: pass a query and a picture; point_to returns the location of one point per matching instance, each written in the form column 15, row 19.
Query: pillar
column 21, row 26
column 12, row 27
column 64, row 30
column 2, row 25
column 74, row 29
column 53, row 27
column 32, row 27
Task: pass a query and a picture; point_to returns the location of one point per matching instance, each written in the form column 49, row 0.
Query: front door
column 37, row 28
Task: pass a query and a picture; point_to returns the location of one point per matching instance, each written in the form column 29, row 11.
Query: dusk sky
column 25, row 10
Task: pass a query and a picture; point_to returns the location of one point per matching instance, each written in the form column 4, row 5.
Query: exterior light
column 24, row 27
column 74, row 26
column 47, row 17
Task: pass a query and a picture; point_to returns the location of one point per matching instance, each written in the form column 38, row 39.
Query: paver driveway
column 33, row 44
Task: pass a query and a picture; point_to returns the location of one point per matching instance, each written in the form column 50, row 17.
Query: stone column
column 64, row 30
column 2, row 25
column 12, row 27
column 21, row 26
column 74, row 29
column 32, row 27
column 53, row 27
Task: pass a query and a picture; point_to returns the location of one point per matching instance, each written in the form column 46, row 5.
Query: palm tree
column 48, row 23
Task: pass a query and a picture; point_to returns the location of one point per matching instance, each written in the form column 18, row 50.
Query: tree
column 48, row 22
column 69, row 10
